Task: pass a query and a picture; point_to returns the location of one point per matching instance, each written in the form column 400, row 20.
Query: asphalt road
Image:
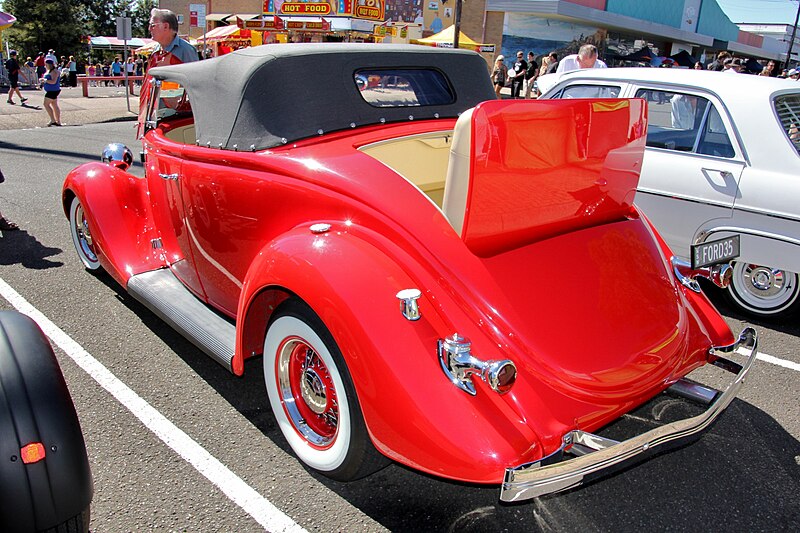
column 743, row 476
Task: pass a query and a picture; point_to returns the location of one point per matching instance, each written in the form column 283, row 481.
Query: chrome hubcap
column 308, row 393
column 764, row 281
column 313, row 391
column 84, row 235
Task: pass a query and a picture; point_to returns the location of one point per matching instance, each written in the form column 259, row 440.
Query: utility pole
column 791, row 41
column 457, row 25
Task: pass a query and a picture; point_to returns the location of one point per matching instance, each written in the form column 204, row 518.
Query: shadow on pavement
column 19, row 247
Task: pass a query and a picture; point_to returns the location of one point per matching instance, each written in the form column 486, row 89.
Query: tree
column 99, row 17
column 140, row 15
column 43, row 25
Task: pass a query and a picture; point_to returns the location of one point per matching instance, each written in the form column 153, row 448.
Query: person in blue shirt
column 164, row 30
column 116, row 70
column 51, row 83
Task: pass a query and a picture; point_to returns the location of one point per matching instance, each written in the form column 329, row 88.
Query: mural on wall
column 542, row 36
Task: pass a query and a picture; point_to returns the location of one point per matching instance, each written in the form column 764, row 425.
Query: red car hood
column 596, row 314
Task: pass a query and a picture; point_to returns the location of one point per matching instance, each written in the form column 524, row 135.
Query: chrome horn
column 117, row 154
column 459, row 365
column 720, row 275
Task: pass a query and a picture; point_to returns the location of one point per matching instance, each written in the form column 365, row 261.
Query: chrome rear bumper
column 597, row 455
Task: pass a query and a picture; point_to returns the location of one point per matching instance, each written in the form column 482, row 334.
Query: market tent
column 444, row 39
column 643, row 54
column 230, row 33
column 112, row 43
column 684, row 59
column 147, row 49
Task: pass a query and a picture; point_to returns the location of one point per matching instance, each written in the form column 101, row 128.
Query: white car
column 721, row 172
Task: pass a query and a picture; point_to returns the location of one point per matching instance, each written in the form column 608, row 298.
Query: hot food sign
column 360, row 9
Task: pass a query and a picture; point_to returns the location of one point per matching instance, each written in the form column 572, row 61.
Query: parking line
column 242, row 494
column 774, row 360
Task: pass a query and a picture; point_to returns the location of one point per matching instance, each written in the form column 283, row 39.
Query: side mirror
column 117, row 154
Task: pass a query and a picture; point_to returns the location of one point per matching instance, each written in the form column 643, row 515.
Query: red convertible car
column 431, row 276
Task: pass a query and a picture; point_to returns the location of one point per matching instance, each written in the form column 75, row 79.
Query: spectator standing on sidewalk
column 51, row 83
column 164, row 30
column 552, row 64
column 51, row 56
column 116, row 70
column 12, row 66
column 39, row 63
column 72, row 65
column 499, row 75
column 531, row 74
column 518, row 78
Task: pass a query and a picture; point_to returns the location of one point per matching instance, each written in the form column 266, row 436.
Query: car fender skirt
column 35, row 407
column 597, row 456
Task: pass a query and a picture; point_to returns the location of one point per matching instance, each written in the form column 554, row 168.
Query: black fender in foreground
column 36, row 408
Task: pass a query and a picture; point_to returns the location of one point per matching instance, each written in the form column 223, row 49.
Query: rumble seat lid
column 544, row 168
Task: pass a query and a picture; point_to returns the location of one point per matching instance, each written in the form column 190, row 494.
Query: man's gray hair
column 165, row 15
column 587, row 51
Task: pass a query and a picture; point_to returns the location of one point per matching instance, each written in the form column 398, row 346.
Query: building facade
column 617, row 27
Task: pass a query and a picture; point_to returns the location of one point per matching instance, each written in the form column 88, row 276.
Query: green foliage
column 42, row 25
column 100, row 16
column 64, row 25
column 140, row 13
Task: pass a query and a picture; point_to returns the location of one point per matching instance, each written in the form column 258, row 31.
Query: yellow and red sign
column 359, row 9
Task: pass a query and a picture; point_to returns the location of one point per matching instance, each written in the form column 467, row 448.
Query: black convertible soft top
column 270, row 95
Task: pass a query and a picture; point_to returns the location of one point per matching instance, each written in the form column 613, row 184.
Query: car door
column 164, row 171
column 692, row 164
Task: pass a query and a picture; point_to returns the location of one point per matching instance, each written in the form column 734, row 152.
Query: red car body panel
column 235, row 230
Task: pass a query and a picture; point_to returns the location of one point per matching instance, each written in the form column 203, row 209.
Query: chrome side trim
column 705, row 234
column 553, row 473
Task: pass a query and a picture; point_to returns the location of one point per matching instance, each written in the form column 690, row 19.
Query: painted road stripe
column 772, row 359
column 242, row 494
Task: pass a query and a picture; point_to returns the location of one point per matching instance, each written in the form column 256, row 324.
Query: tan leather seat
column 456, row 184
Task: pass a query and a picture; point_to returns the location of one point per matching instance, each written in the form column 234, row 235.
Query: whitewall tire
column 312, row 396
column 81, row 236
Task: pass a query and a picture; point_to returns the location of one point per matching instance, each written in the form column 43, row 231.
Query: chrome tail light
column 720, row 275
column 459, row 365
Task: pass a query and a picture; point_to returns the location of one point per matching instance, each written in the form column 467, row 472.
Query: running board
column 162, row 293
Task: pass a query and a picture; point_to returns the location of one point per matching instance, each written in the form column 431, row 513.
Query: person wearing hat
column 793, row 74
column 51, row 83
column 733, row 66
column 12, row 66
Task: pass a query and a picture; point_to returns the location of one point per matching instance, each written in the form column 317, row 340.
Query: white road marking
column 242, row 494
column 772, row 359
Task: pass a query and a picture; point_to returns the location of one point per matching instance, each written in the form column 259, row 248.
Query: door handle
column 724, row 174
column 173, row 177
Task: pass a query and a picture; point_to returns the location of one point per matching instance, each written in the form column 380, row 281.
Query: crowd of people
column 49, row 73
column 523, row 73
column 163, row 26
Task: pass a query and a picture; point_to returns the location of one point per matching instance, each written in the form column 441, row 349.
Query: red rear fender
column 392, row 360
